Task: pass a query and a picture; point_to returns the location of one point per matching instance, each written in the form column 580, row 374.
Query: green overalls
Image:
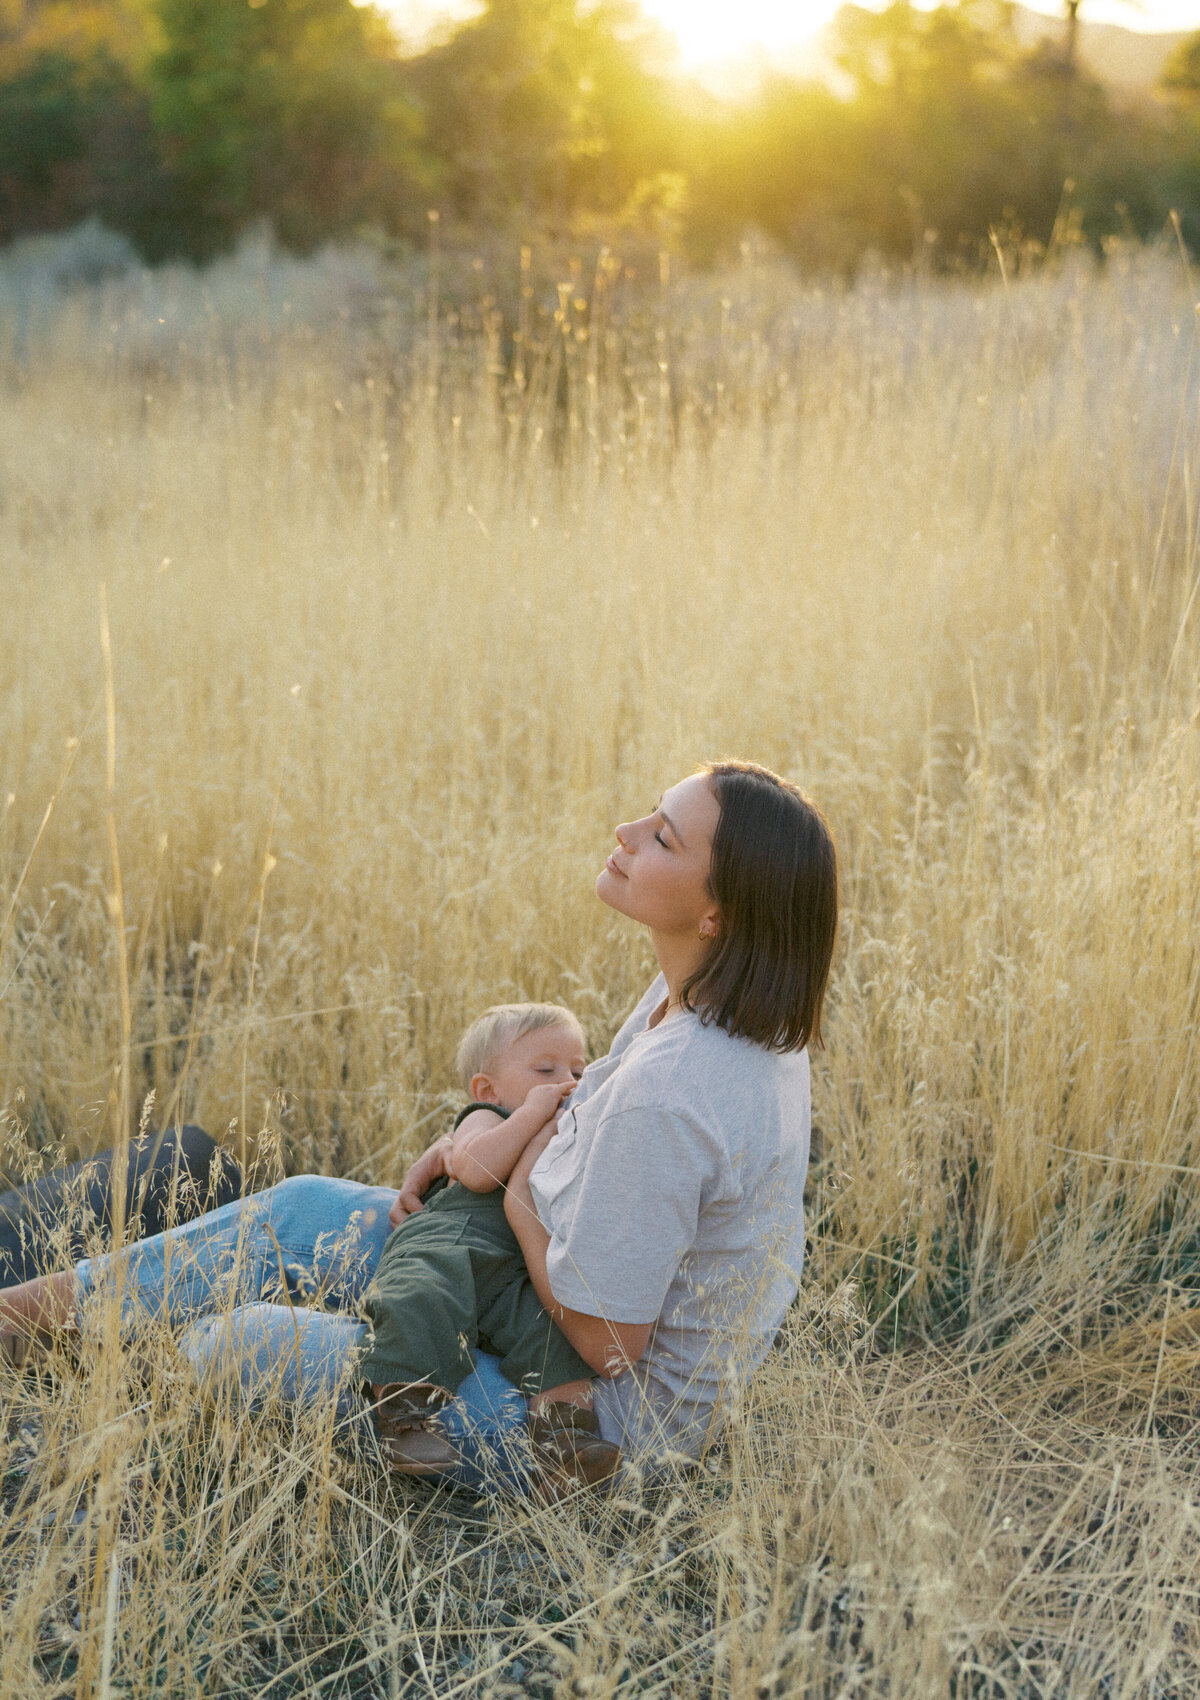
column 452, row 1278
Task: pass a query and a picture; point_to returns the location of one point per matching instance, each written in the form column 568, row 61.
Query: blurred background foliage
column 181, row 123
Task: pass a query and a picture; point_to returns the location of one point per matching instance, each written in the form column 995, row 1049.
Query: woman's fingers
column 419, row 1177
column 407, row 1204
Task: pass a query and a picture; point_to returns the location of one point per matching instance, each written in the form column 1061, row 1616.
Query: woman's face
column 658, row 873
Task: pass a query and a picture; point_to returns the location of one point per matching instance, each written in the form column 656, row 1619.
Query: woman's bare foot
column 45, row 1305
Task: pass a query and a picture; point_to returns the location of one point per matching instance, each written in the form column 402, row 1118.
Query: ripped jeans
column 238, row 1282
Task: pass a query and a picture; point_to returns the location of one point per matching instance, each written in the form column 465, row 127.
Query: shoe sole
column 440, row 1460
column 588, row 1468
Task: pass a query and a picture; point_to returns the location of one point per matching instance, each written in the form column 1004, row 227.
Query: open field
column 403, row 617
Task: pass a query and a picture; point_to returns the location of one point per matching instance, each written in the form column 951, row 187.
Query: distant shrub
column 89, row 253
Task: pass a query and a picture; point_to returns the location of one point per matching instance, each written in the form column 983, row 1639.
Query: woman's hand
column 418, row 1178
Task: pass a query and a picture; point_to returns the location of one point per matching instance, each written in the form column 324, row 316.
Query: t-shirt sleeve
column 626, row 1215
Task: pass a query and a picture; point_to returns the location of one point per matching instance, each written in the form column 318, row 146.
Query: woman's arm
column 485, row 1146
column 609, row 1347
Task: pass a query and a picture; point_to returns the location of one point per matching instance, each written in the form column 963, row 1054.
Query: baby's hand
column 546, row 1099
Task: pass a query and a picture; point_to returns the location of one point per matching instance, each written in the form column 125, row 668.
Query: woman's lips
column 613, row 869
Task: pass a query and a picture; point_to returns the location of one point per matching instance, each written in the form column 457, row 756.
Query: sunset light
column 709, row 30
column 432, row 431
column 711, row 33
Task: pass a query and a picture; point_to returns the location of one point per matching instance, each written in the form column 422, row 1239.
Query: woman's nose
column 622, row 832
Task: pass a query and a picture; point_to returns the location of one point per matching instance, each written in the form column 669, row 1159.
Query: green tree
column 965, row 131
column 288, row 110
column 1181, row 73
column 544, row 107
column 785, row 163
column 1180, row 171
column 945, row 128
column 76, row 137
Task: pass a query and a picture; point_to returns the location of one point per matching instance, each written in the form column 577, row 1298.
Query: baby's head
column 516, row 1046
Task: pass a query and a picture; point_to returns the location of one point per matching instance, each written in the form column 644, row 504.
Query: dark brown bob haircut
column 774, row 879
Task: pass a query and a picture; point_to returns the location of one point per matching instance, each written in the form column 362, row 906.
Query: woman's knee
column 311, row 1201
column 297, row 1190
column 320, row 1232
column 200, row 1343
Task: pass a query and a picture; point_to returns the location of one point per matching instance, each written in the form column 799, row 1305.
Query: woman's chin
column 606, row 889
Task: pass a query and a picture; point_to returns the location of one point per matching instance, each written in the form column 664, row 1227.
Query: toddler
column 452, row 1276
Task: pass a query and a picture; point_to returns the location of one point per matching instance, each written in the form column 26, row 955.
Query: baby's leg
column 422, row 1312
column 534, row 1355
column 567, row 1448
column 422, row 1309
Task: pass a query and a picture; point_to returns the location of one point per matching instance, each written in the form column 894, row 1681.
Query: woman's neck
column 678, row 958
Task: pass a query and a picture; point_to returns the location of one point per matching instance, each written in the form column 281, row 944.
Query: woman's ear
column 710, row 926
column 482, row 1090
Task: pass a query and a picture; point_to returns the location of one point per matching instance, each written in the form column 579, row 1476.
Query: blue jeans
column 234, row 1281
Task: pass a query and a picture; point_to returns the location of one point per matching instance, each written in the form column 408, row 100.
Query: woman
column 662, row 1221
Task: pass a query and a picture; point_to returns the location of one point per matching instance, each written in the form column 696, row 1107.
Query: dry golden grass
column 395, row 641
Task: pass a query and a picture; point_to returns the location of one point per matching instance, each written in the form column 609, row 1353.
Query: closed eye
column 661, row 840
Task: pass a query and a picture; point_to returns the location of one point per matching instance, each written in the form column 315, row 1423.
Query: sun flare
column 712, row 33
column 715, row 30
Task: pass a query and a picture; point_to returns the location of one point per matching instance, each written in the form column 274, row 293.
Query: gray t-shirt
column 673, row 1190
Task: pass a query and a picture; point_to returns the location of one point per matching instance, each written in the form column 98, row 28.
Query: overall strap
column 496, row 1109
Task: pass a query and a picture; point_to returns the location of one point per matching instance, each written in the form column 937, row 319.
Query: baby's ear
column 482, row 1090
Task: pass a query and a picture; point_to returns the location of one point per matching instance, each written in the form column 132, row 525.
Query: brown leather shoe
column 410, row 1437
column 568, row 1451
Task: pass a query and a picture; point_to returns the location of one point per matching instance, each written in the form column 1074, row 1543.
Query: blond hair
column 501, row 1026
